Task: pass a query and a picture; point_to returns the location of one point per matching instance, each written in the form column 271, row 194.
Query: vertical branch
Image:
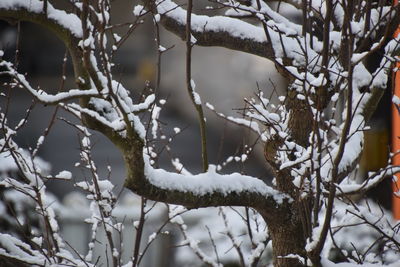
column 320, row 103
column 264, row 23
column 325, row 38
column 317, row 170
column 249, row 227
column 104, row 214
column 53, row 245
column 305, row 22
column 367, row 17
column 346, row 129
column 33, row 186
column 231, row 236
column 190, row 87
column 45, row 7
column 139, row 232
column 17, row 45
column 100, row 192
column 214, row 246
column 175, row 218
column 159, row 54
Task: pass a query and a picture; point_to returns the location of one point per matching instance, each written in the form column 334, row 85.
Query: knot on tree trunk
column 300, row 118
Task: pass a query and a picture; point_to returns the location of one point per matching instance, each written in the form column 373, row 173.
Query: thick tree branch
column 176, row 189
column 214, row 31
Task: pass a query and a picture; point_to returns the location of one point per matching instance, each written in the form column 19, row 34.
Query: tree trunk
column 287, row 245
column 287, row 235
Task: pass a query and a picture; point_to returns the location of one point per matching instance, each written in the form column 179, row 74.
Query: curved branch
column 213, row 31
column 41, row 96
column 67, row 27
column 371, row 182
column 193, row 191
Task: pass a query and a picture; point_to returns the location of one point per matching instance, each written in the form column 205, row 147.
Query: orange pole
column 396, row 133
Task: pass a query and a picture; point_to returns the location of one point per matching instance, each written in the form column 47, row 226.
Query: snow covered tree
column 337, row 61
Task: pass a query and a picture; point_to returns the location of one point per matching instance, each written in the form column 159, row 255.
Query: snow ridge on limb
column 210, row 182
column 280, row 41
column 69, row 22
column 213, row 31
column 207, row 189
column 348, row 187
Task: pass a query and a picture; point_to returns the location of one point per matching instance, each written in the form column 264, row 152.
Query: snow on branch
column 14, row 248
column 282, row 39
column 48, row 248
column 214, row 31
column 210, row 182
column 69, row 22
column 41, row 95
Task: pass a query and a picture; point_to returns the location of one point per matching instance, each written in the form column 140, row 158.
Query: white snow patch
column 64, row 175
column 209, row 182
